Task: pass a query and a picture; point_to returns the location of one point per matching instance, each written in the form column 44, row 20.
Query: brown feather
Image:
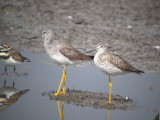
column 70, row 52
column 119, row 62
column 17, row 56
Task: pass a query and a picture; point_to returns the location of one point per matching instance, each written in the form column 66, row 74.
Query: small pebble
column 70, row 17
column 115, row 52
column 127, row 98
column 130, row 27
column 156, row 47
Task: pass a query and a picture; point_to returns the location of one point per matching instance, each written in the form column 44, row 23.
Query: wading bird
column 62, row 53
column 112, row 64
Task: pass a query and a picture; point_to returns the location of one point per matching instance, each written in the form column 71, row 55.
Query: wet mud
column 92, row 99
column 131, row 28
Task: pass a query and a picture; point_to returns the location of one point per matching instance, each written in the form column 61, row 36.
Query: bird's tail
column 89, row 57
column 86, row 57
column 139, row 71
column 92, row 57
column 27, row 60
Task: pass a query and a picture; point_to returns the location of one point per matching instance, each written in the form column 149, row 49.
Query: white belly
column 59, row 59
column 107, row 67
column 9, row 62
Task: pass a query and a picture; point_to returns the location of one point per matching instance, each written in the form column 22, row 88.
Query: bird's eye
column 43, row 32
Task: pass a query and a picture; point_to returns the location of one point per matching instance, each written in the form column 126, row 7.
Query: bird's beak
column 34, row 37
column 91, row 51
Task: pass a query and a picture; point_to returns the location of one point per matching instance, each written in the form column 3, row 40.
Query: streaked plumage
column 63, row 54
column 62, row 49
column 112, row 64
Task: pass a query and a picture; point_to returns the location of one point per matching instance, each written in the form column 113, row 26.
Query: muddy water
column 41, row 76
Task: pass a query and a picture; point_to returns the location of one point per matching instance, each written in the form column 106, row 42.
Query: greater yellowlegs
column 10, row 57
column 63, row 54
column 112, row 64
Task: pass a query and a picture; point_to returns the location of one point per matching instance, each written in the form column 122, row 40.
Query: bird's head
column 4, row 47
column 101, row 47
column 46, row 33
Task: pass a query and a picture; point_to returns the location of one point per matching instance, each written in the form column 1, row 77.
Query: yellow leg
column 61, row 109
column 62, row 84
column 110, row 91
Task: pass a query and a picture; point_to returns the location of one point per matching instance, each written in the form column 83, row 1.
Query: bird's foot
column 59, row 93
column 109, row 102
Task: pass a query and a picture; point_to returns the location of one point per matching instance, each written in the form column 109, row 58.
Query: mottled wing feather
column 73, row 54
column 70, row 52
column 119, row 62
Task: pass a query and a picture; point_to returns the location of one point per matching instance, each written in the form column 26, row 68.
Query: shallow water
column 43, row 76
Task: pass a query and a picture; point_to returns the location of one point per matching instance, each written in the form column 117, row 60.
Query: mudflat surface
column 131, row 28
column 93, row 99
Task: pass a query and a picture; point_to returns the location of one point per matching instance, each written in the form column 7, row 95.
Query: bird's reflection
column 9, row 94
column 5, row 80
column 60, row 105
column 109, row 114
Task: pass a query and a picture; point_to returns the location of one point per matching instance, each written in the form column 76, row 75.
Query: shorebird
column 112, row 64
column 10, row 57
column 62, row 53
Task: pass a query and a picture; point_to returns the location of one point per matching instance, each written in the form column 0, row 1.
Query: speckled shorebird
column 10, row 57
column 112, row 64
column 62, row 54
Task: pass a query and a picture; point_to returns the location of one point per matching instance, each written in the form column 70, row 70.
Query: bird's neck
column 102, row 51
column 47, row 41
column 97, row 54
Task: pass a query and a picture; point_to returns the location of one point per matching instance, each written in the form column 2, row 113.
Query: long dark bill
column 33, row 38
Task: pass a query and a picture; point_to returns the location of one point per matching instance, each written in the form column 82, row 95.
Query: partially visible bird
column 10, row 57
column 112, row 64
